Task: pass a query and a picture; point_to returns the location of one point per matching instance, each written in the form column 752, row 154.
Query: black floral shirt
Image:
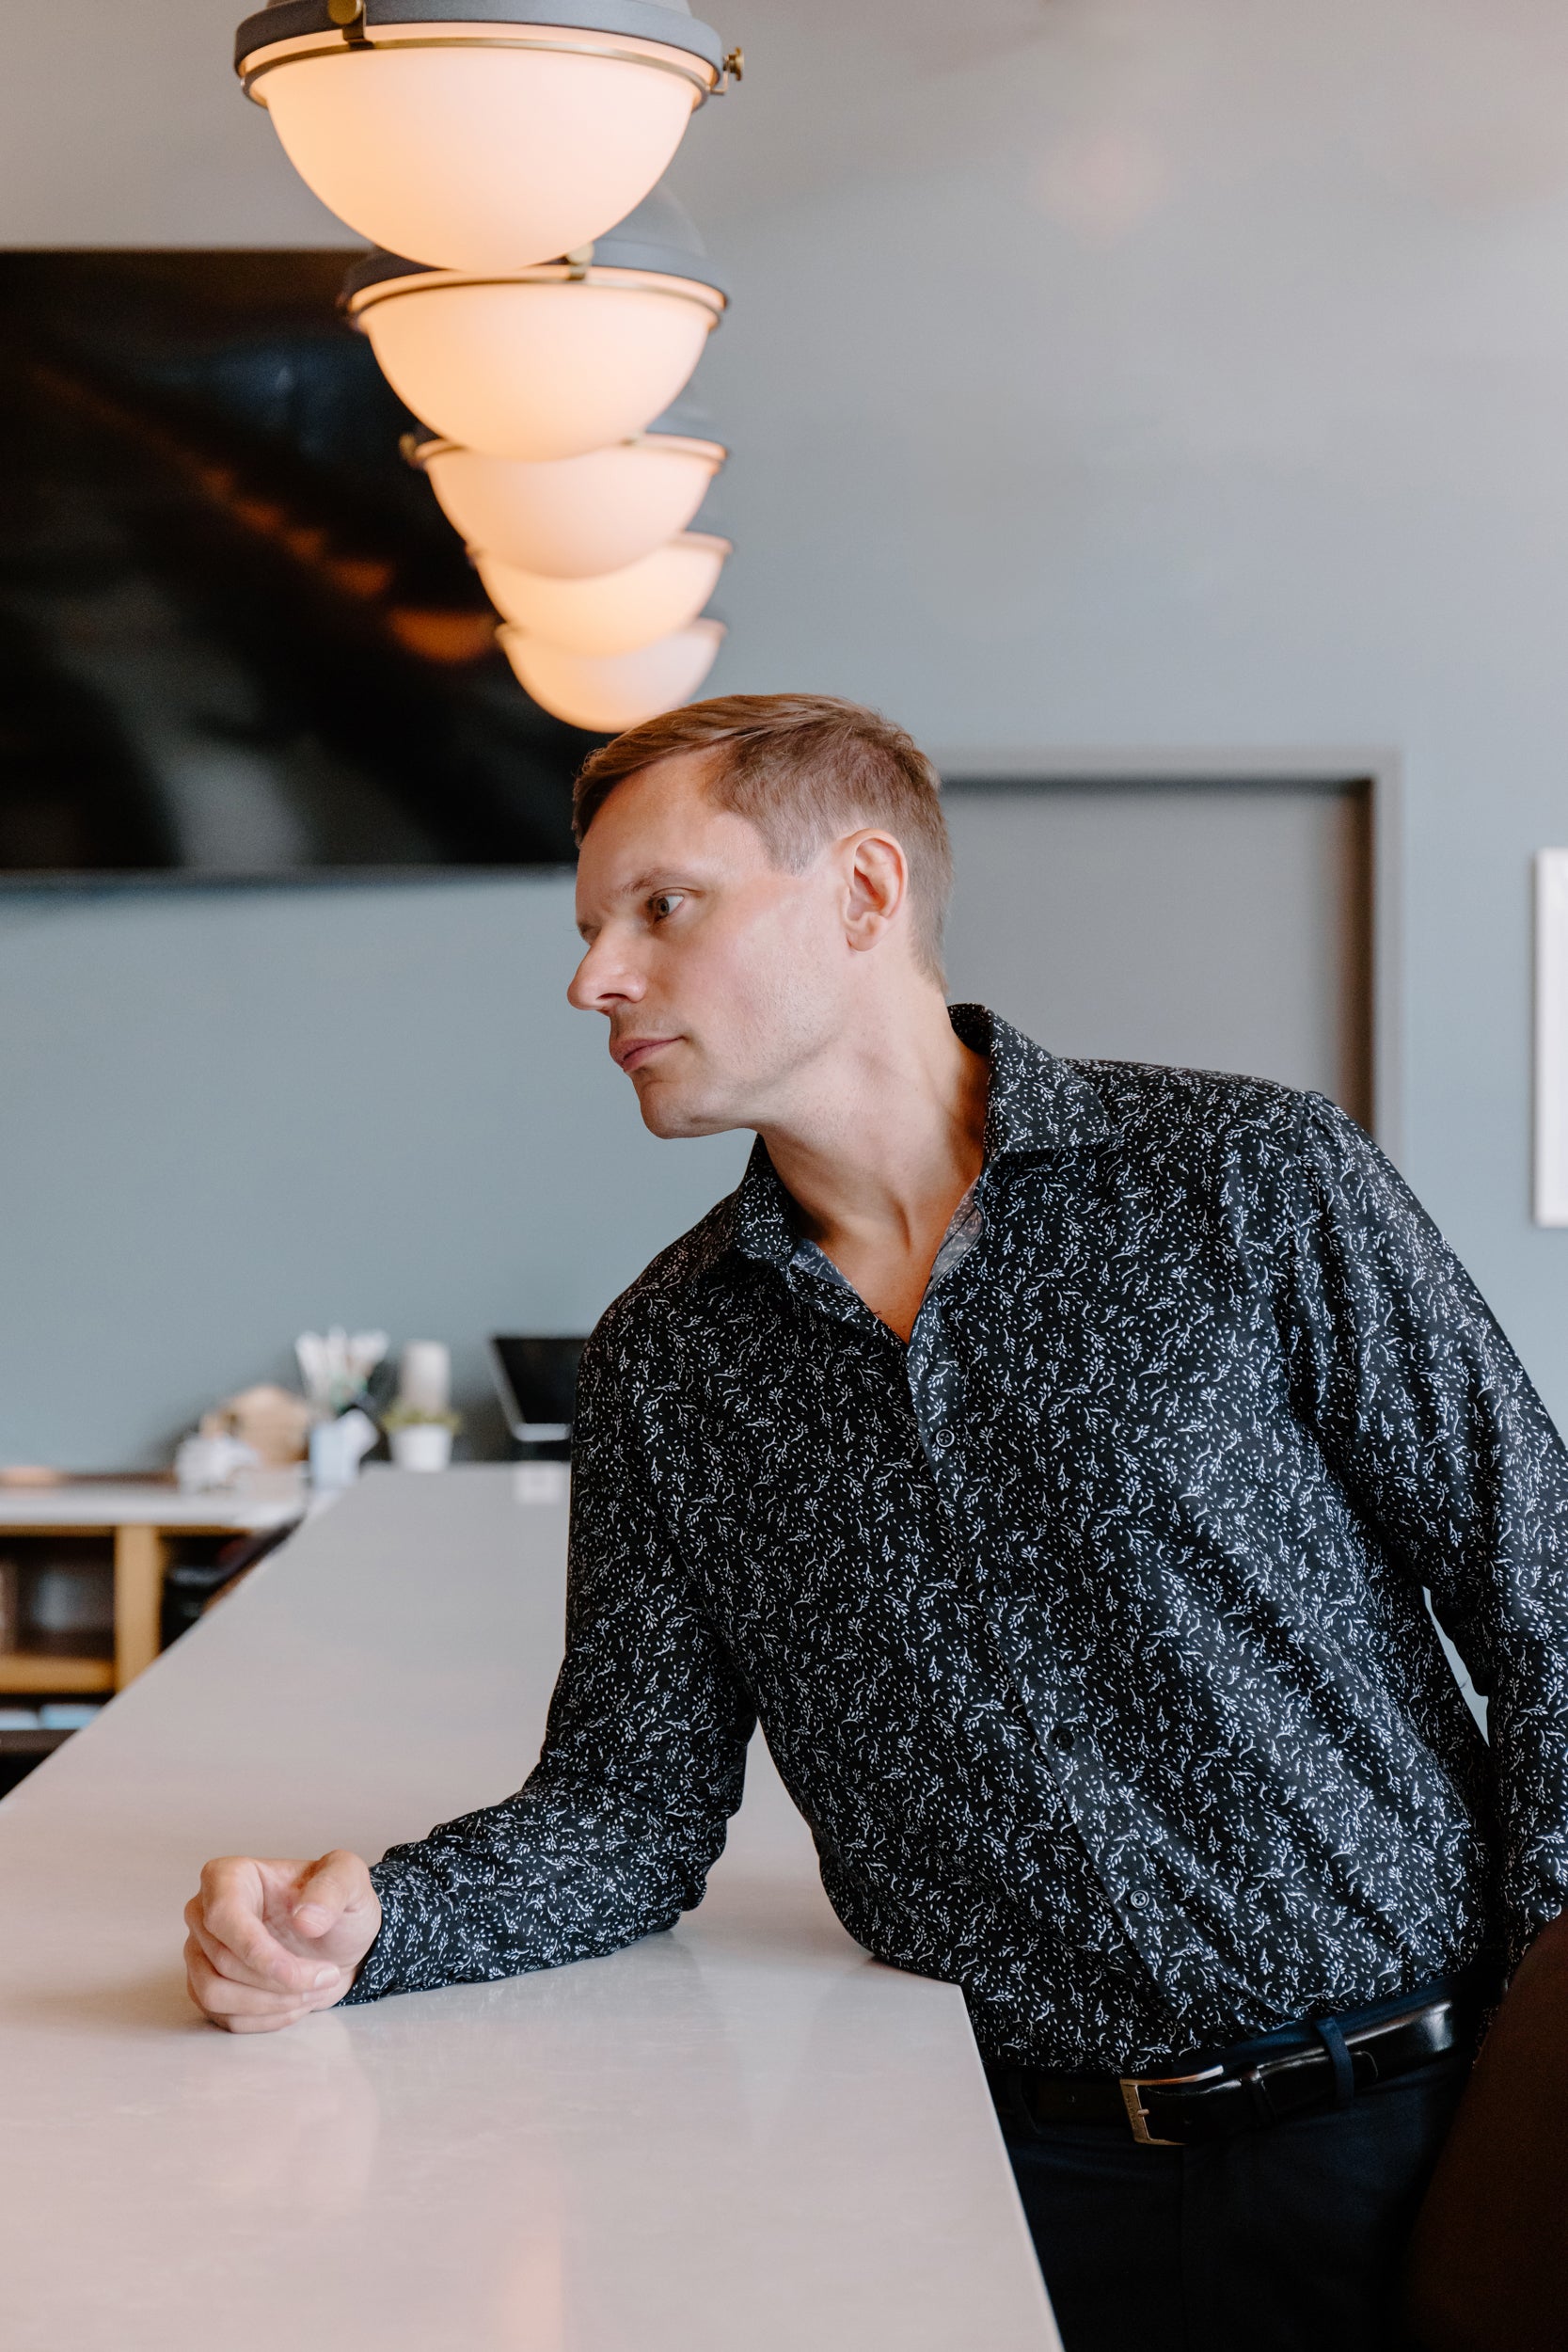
column 1087, row 1629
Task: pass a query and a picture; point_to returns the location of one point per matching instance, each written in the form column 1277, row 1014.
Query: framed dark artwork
column 238, row 638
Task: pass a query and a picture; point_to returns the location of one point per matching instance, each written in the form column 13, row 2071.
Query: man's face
column 721, row 974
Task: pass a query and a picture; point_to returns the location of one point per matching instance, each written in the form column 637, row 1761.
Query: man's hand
column 270, row 1940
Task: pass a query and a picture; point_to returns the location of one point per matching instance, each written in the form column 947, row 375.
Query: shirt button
column 942, row 1441
column 1138, row 1901
column 1061, row 1738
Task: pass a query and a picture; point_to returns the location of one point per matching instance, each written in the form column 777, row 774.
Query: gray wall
column 231, row 1115
column 1187, row 374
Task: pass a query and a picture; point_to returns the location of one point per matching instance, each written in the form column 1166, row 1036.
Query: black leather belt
column 1253, row 2085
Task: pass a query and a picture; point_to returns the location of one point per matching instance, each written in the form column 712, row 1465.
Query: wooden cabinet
column 132, row 1531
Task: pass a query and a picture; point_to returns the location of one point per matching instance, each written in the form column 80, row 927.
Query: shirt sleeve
column 644, row 1757
column 1439, row 1439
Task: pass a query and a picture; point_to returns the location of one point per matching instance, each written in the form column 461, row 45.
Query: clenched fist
column 270, row 1940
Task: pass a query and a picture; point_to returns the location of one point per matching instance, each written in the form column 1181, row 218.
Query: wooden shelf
column 138, row 1527
column 31, row 1670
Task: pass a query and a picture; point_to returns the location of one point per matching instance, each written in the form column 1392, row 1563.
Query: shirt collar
column 1036, row 1104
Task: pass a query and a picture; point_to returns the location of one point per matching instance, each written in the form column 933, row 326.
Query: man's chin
column 672, row 1114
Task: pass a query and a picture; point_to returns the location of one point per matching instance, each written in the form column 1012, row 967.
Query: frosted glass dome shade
column 482, row 145
column 541, row 365
column 608, row 692
column 619, row 611
column 574, row 516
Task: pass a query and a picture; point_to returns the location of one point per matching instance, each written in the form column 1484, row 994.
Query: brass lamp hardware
column 356, row 37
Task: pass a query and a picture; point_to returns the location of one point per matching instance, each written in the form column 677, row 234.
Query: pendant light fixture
column 480, row 134
column 618, row 612
column 607, row 692
column 550, row 362
column 573, row 518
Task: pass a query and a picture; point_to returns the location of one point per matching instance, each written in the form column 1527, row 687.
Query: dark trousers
column 1282, row 2239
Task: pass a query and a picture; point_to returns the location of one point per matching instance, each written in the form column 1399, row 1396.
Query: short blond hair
column 802, row 769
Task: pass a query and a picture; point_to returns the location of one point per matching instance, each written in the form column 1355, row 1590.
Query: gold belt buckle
column 1132, row 2089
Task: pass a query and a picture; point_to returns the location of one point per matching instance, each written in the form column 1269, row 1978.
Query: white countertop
column 267, row 1500
column 742, row 2137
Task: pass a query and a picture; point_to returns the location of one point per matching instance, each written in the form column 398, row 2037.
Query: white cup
column 204, row 1462
column 338, row 1447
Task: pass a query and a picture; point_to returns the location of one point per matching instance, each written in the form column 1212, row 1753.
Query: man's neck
column 887, row 1149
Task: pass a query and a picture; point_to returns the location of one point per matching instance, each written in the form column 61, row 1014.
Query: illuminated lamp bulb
column 574, row 517
column 486, row 135
column 617, row 611
column 548, row 362
column 607, row 692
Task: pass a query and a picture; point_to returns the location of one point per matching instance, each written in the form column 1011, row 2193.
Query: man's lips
column 632, row 1052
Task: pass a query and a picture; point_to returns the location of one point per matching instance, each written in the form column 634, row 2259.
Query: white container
column 338, row 1448
column 201, row 1463
column 421, row 1445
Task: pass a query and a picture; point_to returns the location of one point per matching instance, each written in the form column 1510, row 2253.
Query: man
column 1054, row 1454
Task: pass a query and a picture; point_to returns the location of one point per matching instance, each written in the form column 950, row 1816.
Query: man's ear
column 875, row 887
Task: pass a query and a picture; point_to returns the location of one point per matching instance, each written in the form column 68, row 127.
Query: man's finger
column 303, row 1975
column 220, row 1997
column 231, row 1916
column 331, row 1886
column 219, row 1956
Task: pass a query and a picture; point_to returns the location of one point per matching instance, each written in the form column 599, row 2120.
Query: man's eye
column 664, row 904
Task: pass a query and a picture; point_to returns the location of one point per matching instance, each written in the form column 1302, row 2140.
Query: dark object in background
column 23, row 1752
column 537, row 1382
column 191, row 1586
column 238, row 638
column 1489, row 2256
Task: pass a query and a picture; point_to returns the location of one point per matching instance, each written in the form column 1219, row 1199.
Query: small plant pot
column 421, row 1445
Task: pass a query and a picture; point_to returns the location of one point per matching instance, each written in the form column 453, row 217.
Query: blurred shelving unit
column 83, row 1566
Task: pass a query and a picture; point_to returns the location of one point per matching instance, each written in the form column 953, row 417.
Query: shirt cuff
column 386, row 1967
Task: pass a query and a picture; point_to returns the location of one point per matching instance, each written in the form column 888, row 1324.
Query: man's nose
column 605, row 979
